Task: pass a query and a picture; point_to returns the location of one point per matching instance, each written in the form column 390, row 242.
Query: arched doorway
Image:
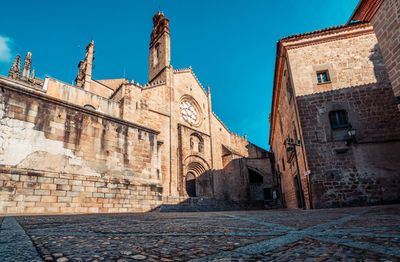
column 191, row 184
column 255, row 185
column 194, row 182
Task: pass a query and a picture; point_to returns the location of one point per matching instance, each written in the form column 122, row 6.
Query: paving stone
column 277, row 235
column 139, row 257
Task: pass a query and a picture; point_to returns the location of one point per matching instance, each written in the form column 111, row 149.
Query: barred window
column 339, row 119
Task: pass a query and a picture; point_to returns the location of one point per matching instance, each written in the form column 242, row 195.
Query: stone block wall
column 63, row 147
column 386, row 24
column 32, row 191
column 333, row 170
column 359, row 84
column 286, row 125
column 364, row 172
column 81, row 97
column 233, row 182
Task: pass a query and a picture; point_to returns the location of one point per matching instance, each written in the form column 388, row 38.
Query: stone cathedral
column 114, row 145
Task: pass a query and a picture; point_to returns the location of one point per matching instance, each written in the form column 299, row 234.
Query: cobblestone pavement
column 345, row 234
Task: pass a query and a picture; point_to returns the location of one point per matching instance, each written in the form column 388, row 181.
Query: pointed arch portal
column 190, row 184
column 194, row 169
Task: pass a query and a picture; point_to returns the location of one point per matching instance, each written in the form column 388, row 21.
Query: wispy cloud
column 5, row 50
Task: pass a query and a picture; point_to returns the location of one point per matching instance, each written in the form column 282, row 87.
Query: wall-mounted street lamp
column 350, row 136
column 291, row 145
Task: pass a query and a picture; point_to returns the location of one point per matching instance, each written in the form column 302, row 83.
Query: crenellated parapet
column 183, row 70
column 154, row 84
column 244, row 138
column 147, row 85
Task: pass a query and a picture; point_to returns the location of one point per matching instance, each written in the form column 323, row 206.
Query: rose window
column 188, row 112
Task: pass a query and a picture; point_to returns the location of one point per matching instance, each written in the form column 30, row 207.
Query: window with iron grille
column 339, row 119
column 289, row 154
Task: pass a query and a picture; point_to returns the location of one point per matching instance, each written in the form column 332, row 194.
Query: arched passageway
column 190, row 184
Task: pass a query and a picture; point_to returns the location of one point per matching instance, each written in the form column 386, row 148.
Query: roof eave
column 365, row 10
column 275, row 87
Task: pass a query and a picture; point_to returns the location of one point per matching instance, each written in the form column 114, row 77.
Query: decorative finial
column 15, row 70
column 32, row 76
column 27, row 65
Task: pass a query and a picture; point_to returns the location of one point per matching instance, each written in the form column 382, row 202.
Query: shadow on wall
column 359, row 170
column 244, row 183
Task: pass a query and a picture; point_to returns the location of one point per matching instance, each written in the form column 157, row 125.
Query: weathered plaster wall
column 50, row 138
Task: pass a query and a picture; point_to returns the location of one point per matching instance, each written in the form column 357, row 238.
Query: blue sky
column 229, row 44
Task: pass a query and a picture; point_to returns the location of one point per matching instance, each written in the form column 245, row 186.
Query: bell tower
column 159, row 55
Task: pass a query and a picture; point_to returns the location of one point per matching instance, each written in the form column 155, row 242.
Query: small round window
column 189, row 112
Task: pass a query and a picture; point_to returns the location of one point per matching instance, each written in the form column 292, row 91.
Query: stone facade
column 385, row 18
column 141, row 145
column 59, row 157
column 335, row 169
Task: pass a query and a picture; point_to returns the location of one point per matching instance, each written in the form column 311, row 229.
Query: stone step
column 209, row 204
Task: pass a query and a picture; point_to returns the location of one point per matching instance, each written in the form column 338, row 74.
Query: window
column 196, row 143
column 339, row 119
column 323, row 77
column 254, row 177
column 267, row 194
column 283, row 164
column 89, row 107
column 280, row 123
column 289, row 88
column 290, row 154
column 156, row 54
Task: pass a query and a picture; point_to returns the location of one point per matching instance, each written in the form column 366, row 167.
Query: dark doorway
column 255, row 185
column 254, row 177
column 190, row 184
column 267, row 194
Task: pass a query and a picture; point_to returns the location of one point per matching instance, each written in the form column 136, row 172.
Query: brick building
column 384, row 15
column 332, row 97
column 114, row 145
